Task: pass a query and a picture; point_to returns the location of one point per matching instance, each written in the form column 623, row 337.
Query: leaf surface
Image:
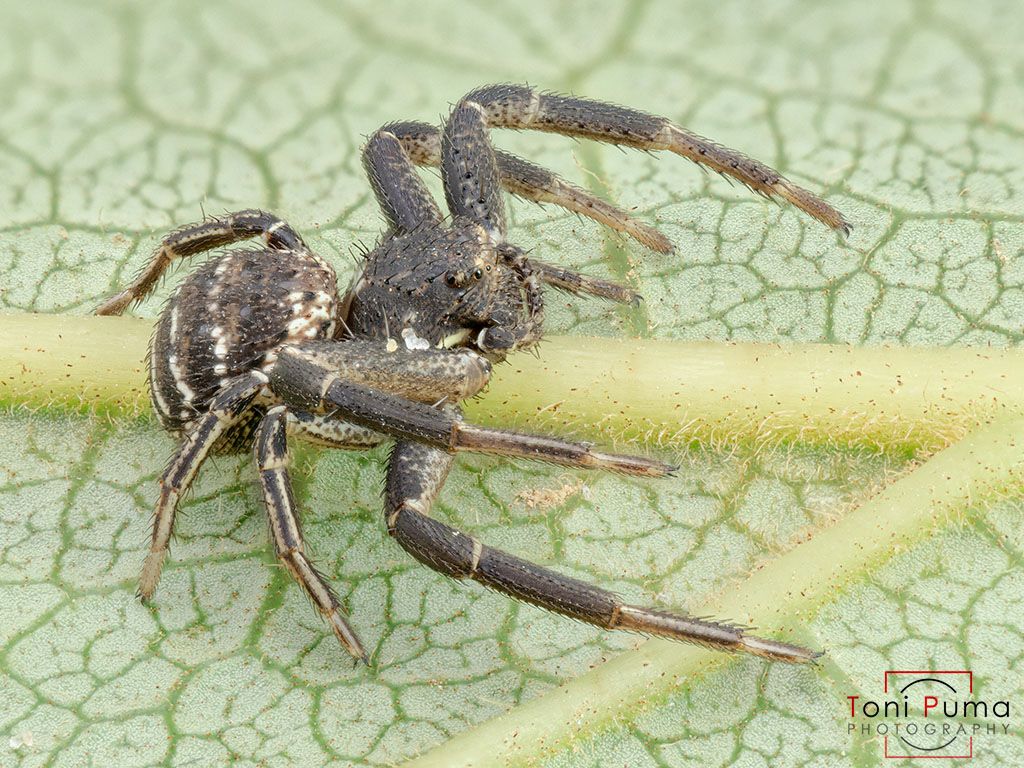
column 123, row 121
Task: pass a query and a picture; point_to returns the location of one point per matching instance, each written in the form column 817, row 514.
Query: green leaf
column 123, row 121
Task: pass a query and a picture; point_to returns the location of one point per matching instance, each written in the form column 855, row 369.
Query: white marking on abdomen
column 310, row 317
column 172, row 334
column 154, row 389
column 172, row 362
column 179, row 379
column 220, row 349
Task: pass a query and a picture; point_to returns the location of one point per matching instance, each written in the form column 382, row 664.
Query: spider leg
column 469, row 170
column 424, row 375
column 578, row 283
column 324, row 429
column 533, row 182
column 401, row 193
column 227, row 408
column 306, row 383
column 204, row 236
column 422, row 143
column 415, row 476
column 570, row 281
column 271, row 454
column 519, row 106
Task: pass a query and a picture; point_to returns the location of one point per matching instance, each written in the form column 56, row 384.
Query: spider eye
column 450, row 280
column 478, row 273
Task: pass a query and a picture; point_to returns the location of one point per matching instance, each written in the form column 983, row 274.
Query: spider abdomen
column 229, row 317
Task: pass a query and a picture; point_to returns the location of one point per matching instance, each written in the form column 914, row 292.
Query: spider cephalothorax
column 449, row 287
column 256, row 346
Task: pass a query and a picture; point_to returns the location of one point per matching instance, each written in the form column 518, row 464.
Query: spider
column 257, row 346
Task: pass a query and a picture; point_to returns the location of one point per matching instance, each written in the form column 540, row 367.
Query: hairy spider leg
column 227, row 408
column 415, row 476
column 422, row 143
column 305, row 383
column 401, row 193
column 426, row 375
column 573, row 282
column 469, row 170
column 271, row 453
column 204, row 236
column 579, row 284
column 519, row 106
column 323, row 429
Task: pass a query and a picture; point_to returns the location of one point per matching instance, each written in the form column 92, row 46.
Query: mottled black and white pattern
column 256, row 346
column 225, row 333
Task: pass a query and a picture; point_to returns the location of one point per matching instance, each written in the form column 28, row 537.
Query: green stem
column 663, row 392
column 778, row 598
column 79, row 363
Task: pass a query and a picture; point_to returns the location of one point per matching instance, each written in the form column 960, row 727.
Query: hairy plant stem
column 89, row 364
column 660, row 392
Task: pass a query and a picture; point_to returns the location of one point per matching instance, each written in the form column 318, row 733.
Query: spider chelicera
column 257, row 346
